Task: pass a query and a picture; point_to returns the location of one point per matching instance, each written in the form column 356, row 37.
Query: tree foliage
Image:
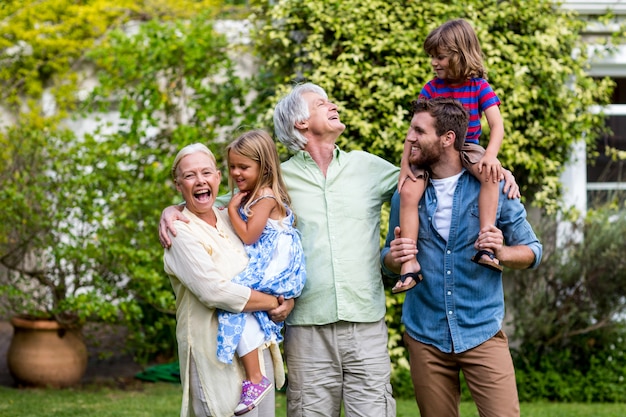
column 47, row 218
column 85, row 169
column 171, row 85
column 369, row 57
column 581, row 287
column 568, row 316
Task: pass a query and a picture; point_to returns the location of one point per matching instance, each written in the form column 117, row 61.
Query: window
column 606, row 179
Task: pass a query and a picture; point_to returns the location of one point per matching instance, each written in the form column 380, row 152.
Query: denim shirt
column 459, row 304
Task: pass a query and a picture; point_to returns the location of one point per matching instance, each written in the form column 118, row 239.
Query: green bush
column 566, row 376
column 401, row 382
column 85, row 204
column 369, row 58
column 568, row 314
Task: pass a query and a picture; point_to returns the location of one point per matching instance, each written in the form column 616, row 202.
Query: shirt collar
column 305, row 157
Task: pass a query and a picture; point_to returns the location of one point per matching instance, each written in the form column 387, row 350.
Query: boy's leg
column 487, row 200
column 487, row 211
column 410, row 195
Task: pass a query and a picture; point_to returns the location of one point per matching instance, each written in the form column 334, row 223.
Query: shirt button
column 449, row 292
column 450, row 312
column 448, row 272
column 449, row 252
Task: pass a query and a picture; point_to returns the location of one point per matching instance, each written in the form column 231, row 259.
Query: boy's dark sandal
column 478, row 258
column 417, row 278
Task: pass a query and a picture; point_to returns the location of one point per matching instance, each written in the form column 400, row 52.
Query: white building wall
column 604, row 63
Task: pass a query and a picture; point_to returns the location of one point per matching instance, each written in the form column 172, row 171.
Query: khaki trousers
column 488, row 370
column 338, row 362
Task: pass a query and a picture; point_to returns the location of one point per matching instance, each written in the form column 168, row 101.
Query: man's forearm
column 390, row 264
column 516, row 257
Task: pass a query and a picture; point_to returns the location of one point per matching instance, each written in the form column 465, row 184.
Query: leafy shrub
column 369, row 58
column 81, row 207
column 566, row 377
column 568, row 315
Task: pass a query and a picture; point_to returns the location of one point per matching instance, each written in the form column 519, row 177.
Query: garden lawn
column 139, row 399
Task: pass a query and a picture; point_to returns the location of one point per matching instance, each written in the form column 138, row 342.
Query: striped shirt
column 475, row 94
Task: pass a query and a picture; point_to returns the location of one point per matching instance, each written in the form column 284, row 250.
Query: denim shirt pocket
column 473, row 223
column 426, row 221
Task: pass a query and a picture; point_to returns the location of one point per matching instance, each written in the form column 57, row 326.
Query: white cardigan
column 200, row 263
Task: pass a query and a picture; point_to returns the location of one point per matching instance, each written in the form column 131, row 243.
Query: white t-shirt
column 444, row 188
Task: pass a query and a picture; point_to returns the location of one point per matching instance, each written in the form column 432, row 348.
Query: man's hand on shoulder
column 511, row 187
column 168, row 216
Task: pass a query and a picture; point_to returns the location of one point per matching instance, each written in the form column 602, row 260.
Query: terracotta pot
column 44, row 353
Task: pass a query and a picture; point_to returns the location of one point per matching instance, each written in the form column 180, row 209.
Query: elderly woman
column 205, row 254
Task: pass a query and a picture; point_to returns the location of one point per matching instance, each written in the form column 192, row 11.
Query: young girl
column 261, row 216
column 456, row 57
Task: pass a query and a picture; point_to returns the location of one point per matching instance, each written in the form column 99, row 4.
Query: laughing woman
column 205, row 254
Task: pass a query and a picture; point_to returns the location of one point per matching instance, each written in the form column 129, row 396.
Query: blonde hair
column 258, row 146
column 457, row 39
column 188, row 150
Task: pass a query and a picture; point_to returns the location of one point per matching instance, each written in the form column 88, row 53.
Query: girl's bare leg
column 251, row 365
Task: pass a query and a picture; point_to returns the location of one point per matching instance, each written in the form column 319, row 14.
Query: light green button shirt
column 339, row 217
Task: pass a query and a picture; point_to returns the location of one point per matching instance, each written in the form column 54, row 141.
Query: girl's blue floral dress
column 276, row 267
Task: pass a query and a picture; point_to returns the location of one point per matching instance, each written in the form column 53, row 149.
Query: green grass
column 138, row 399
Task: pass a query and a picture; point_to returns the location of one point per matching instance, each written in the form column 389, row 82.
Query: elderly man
column 453, row 319
column 336, row 336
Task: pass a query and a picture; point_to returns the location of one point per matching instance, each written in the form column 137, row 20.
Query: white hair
column 292, row 109
column 188, row 150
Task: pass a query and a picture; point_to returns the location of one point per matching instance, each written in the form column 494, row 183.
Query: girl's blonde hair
column 457, row 39
column 258, row 145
